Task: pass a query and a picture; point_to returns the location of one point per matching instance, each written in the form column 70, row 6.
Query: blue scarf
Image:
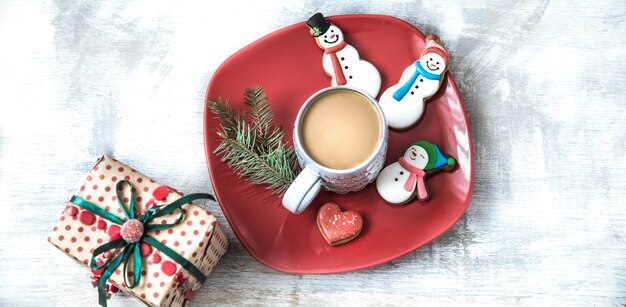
column 419, row 71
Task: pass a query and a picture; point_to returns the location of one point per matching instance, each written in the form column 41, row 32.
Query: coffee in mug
column 340, row 129
column 340, row 139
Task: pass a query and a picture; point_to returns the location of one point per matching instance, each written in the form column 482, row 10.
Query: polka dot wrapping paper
column 164, row 282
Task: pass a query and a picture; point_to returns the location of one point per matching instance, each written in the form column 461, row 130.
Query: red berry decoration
column 168, row 268
column 72, row 211
column 178, row 277
column 114, row 232
column 86, row 217
column 156, row 258
column 131, row 231
column 114, row 289
column 161, row 192
column 101, row 224
column 145, row 249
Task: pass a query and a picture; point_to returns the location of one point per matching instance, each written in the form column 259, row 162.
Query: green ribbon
column 132, row 250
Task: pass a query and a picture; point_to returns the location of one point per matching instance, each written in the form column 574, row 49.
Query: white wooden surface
column 543, row 84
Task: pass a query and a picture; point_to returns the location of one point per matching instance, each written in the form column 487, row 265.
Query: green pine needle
column 250, row 143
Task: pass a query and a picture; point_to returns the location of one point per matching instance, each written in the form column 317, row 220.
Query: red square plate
column 288, row 64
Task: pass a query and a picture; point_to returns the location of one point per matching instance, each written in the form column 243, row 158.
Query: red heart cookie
column 338, row 227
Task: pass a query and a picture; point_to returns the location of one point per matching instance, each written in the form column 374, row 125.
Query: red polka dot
column 125, row 199
column 138, row 198
column 188, row 242
column 106, row 254
column 146, row 189
column 108, row 167
column 164, row 241
column 133, row 190
column 80, row 229
column 101, row 177
column 60, row 238
column 55, row 228
column 163, row 222
column 88, row 178
column 113, row 198
column 99, row 240
column 182, row 253
column 143, row 295
column 67, row 250
column 176, row 243
column 68, row 227
column 152, row 180
column 107, row 208
column 208, row 233
column 95, row 186
column 100, row 199
column 202, row 222
column 168, row 268
column 156, row 295
column 194, row 254
column 86, row 217
column 139, row 180
column 195, row 232
column 120, row 169
column 82, row 187
column 127, row 178
column 85, row 261
column 93, row 228
column 189, row 223
column 144, row 273
column 156, row 274
column 201, row 244
column 119, row 210
column 170, row 231
column 182, row 233
column 91, row 251
column 196, row 212
column 73, row 239
column 157, row 232
column 149, row 285
column 114, row 179
column 88, row 197
column 101, row 224
column 86, row 239
column 117, row 272
column 107, row 189
column 162, row 284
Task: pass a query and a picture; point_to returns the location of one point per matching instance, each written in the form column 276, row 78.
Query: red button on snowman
column 399, row 182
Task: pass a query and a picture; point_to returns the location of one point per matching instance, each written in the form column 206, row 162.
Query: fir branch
column 250, row 144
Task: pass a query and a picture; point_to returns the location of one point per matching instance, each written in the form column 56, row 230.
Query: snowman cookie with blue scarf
column 399, row 182
column 403, row 103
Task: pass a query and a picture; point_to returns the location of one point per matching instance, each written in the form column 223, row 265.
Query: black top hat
column 318, row 24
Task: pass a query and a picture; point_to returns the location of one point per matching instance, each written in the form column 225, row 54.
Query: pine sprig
column 250, row 143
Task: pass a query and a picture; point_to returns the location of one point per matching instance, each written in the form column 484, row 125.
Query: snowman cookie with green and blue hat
column 400, row 181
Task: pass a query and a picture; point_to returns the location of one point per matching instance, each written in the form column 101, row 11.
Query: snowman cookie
column 403, row 103
column 400, row 181
column 340, row 60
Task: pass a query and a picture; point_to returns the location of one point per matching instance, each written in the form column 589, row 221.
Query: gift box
column 121, row 220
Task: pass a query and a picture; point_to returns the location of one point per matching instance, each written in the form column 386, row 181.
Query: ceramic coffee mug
column 340, row 139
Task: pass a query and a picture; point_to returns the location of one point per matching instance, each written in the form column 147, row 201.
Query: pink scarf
column 416, row 174
column 332, row 51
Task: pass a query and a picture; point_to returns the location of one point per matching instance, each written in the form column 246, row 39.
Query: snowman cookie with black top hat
column 403, row 103
column 400, row 181
column 342, row 61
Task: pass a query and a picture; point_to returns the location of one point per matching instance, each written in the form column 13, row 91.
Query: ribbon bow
column 130, row 245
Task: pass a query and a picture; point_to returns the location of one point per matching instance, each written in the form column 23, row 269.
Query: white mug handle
column 302, row 191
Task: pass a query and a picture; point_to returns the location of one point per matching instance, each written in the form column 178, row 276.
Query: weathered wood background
column 544, row 86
